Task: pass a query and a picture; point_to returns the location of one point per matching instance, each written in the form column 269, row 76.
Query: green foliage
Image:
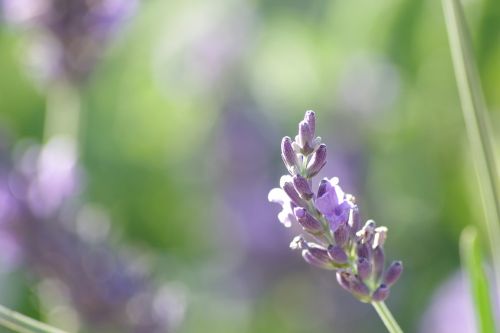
column 472, row 262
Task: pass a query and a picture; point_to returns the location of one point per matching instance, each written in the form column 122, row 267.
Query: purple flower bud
column 363, row 250
column 317, row 256
column 302, row 186
column 307, row 221
column 351, row 283
column 364, row 268
column 289, row 189
column 305, row 137
column 359, row 289
column 317, row 162
column 341, row 235
column 381, row 293
column 393, row 273
column 378, row 259
column 337, row 254
column 287, row 153
column 310, row 119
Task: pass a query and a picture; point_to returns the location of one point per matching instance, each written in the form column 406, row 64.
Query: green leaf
column 478, row 127
column 22, row 324
column 472, row 262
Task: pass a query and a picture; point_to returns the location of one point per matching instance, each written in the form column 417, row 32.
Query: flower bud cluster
column 333, row 236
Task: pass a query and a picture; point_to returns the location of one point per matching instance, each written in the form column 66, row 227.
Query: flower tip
column 288, row 153
column 310, row 118
column 309, row 113
column 381, row 293
column 393, row 273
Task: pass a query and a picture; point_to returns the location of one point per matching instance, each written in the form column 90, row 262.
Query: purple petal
column 325, row 204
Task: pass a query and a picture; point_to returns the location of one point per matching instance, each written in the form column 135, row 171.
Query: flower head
column 330, row 218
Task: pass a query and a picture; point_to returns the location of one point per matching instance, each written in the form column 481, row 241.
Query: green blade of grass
column 477, row 124
column 22, row 324
column 472, row 263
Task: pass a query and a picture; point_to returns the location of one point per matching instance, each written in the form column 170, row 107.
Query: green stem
column 477, row 124
column 22, row 324
column 386, row 316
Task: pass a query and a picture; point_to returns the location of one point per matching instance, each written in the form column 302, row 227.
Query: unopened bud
column 305, row 137
column 310, row 119
column 378, row 259
column 359, row 289
column 341, row 235
column 364, row 268
column 381, row 293
column 363, row 250
column 287, row 153
column 337, row 254
column 318, row 257
column 286, row 184
column 317, row 162
column 307, row 221
column 393, row 273
column 302, row 186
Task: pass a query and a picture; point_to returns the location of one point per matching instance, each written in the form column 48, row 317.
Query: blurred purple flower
column 451, row 309
column 46, row 176
column 102, row 285
column 38, row 210
column 242, row 163
column 71, row 34
column 8, row 246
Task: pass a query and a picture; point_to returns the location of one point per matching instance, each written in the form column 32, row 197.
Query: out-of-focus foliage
column 181, row 125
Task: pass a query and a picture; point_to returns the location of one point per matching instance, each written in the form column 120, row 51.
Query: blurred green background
column 181, row 125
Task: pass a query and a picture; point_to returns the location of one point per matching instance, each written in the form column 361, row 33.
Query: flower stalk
column 386, row 316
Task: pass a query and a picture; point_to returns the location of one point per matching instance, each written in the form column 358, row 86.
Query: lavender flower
column 43, row 226
column 70, row 35
column 330, row 220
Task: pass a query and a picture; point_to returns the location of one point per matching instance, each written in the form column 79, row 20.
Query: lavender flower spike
column 330, row 219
